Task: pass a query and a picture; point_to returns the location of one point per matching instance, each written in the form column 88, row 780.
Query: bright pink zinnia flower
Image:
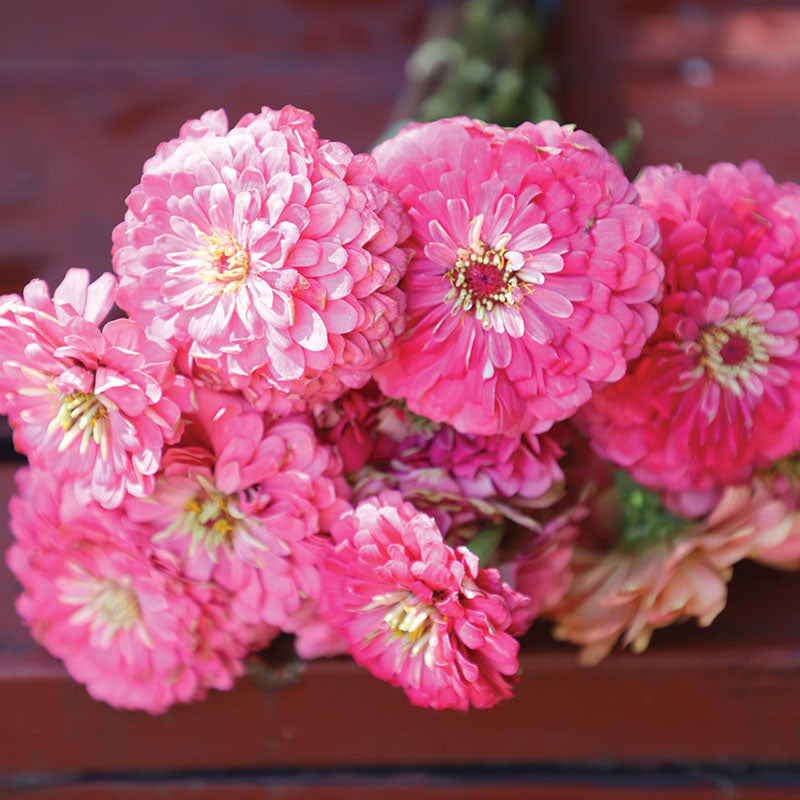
column 137, row 635
column 716, row 392
column 269, row 256
column 532, row 276
column 95, row 405
column 416, row 612
column 241, row 502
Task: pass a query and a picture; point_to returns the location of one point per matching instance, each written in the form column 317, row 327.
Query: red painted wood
column 89, row 88
column 731, row 692
column 709, row 81
column 344, row 790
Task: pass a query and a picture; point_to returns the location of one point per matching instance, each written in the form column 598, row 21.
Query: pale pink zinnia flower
column 93, row 404
column 417, row 613
column 531, row 278
column 267, row 255
column 137, row 635
column 241, row 501
column 662, row 569
column 716, row 392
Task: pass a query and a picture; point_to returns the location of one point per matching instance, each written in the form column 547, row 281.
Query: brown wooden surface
column 715, row 80
column 690, row 789
column 89, row 88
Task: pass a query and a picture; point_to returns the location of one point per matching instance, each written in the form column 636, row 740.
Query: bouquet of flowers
column 400, row 405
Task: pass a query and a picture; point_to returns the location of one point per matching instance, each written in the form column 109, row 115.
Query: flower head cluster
column 137, row 634
column 242, row 502
column 532, row 277
column 338, row 407
column 267, row 255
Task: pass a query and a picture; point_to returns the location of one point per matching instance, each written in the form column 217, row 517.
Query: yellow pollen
column 480, row 279
column 117, row 604
column 80, row 416
column 226, row 261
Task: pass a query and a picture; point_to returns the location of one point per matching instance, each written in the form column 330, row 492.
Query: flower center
column 482, row 278
column 228, row 262
column 410, row 618
column 105, row 604
column 734, row 350
column 81, row 414
column 211, row 517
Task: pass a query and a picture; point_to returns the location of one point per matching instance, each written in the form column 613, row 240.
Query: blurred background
column 89, row 88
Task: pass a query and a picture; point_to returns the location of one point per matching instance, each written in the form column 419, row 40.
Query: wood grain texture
column 709, row 81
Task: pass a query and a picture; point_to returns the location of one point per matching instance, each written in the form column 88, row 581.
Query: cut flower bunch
column 400, row 405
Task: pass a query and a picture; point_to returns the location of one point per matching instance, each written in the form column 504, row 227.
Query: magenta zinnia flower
column 417, row 613
column 456, row 477
column 268, row 255
column 716, row 392
column 137, row 635
column 240, row 502
column 93, row 404
column 531, row 279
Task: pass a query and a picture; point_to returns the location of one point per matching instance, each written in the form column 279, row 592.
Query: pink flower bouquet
column 401, row 405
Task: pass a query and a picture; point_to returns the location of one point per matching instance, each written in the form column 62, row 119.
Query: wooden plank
column 707, row 81
column 194, row 789
column 80, row 113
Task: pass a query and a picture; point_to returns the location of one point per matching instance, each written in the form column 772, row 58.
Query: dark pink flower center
column 480, row 279
column 484, row 280
column 735, row 350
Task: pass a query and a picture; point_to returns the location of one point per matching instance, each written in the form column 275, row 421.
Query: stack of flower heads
column 400, row 405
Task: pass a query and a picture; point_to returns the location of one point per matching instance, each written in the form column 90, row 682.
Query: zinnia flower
column 531, row 278
column 716, row 392
column 267, row 255
column 455, row 477
column 137, row 635
column 95, row 405
column 416, row 612
column 240, row 502
column 663, row 569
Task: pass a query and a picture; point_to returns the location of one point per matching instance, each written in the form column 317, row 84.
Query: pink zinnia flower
column 137, row 635
column 267, row 255
column 94, row 404
column 241, row 502
column 532, row 276
column 663, row 570
column 716, row 392
column 416, row 612
column 456, row 477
